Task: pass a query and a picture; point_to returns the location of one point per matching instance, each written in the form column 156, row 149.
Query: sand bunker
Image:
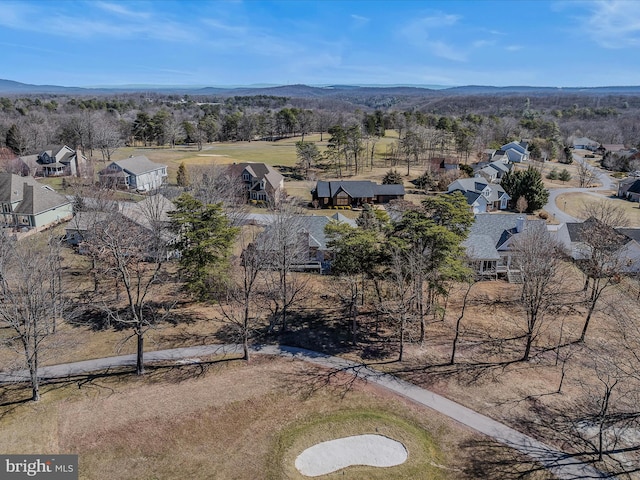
column 371, row 450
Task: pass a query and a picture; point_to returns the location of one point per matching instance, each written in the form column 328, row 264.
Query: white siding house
column 137, row 173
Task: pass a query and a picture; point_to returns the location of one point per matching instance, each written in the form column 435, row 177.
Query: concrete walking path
column 561, row 464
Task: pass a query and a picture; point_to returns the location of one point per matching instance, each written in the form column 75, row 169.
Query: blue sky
column 539, row 43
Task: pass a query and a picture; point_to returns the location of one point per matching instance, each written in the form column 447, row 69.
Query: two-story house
column 56, row 162
column 261, row 181
column 136, row 173
column 482, row 196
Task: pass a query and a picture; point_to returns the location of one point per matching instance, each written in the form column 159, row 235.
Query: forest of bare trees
column 425, row 125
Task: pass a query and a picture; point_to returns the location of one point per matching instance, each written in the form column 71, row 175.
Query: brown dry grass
column 225, row 422
column 574, row 204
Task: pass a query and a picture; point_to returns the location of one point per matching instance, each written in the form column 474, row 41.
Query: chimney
column 519, row 224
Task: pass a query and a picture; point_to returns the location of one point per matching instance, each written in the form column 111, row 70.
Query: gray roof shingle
column 357, row 188
column 34, row 197
column 137, row 165
column 494, row 229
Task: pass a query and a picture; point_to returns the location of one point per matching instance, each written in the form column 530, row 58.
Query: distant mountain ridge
column 10, row 87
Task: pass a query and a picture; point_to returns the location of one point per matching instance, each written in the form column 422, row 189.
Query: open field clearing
column 574, row 205
column 240, row 421
column 281, row 152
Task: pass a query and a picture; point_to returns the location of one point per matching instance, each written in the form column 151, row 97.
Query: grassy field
column 281, row 152
column 240, row 422
column 574, row 204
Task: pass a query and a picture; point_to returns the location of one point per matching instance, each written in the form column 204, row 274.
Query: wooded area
column 400, row 292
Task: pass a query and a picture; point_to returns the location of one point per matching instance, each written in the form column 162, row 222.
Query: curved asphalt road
column 552, row 207
column 561, row 464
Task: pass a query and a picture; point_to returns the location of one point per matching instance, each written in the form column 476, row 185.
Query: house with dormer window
column 56, row 162
column 482, row 196
column 261, row 181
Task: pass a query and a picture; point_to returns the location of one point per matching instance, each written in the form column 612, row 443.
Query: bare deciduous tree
column 286, row 246
column 537, row 255
column 600, row 258
column 107, row 137
column 133, row 253
column 398, row 303
column 586, row 175
column 31, row 298
column 241, row 304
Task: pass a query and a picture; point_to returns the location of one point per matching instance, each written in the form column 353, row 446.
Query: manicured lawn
column 281, row 152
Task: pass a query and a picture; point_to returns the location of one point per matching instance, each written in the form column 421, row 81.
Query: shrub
column 564, row 175
column 392, row 177
column 543, row 215
column 553, row 174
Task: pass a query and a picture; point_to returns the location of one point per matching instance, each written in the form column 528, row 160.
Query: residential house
column 26, row 204
column 625, row 242
column 56, row 162
column 489, row 244
column 261, row 181
column 152, row 214
column 515, row 152
column 629, row 188
column 137, row 173
column 493, row 195
column 494, row 171
column 584, row 143
column 443, row 164
column 354, row 193
column 307, row 248
column 630, row 155
column 609, row 148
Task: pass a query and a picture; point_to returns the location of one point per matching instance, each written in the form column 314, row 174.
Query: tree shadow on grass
column 13, row 395
column 100, row 319
column 309, row 380
column 494, row 460
column 330, row 333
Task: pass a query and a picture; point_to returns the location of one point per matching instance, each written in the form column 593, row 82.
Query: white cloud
column 421, row 33
column 417, row 31
column 15, row 16
column 120, row 9
column 230, row 38
column 359, row 20
column 444, row 50
column 612, row 23
column 84, row 24
column 483, row 43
